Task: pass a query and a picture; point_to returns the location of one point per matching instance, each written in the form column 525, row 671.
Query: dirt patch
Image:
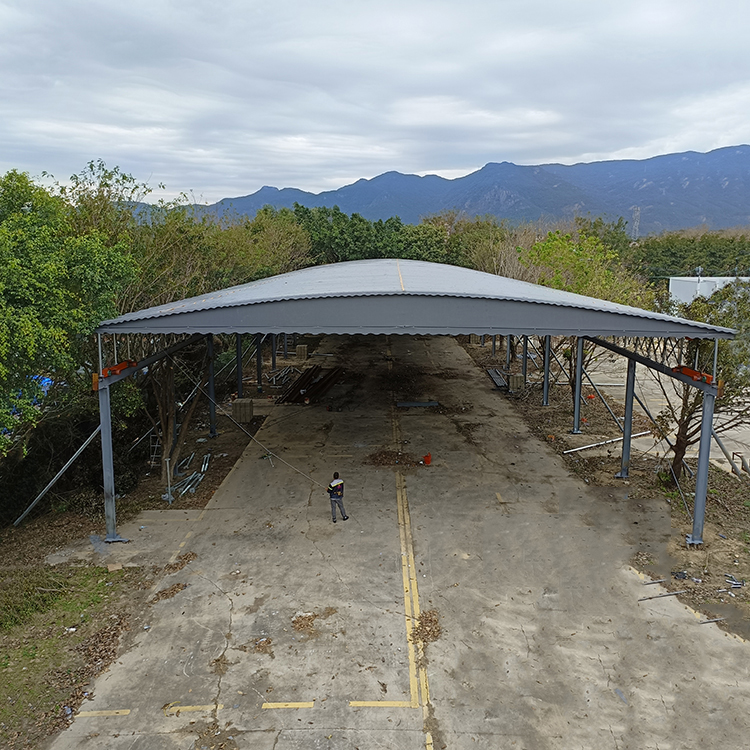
column 220, row 665
column 304, row 622
column 169, row 593
column 212, row 737
column 428, row 628
column 392, row 458
column 180, row 562
column 263, row 646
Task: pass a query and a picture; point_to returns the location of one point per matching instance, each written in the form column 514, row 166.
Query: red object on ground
column 427, row 459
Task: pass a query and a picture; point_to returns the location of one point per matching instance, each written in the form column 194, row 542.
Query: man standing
column 336, row 493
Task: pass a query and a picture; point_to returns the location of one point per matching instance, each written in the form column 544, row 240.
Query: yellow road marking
column 382, row 704
column 115, row 712
column 308, row 704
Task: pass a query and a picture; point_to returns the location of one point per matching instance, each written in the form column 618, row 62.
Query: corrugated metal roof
column 323, row 289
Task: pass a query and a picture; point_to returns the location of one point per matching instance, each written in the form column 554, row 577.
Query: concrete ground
column 544, row 642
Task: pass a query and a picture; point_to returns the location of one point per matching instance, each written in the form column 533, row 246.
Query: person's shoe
column 334, row 520
column 345, row 518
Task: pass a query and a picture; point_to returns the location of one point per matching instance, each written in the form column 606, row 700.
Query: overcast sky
column 218, row 99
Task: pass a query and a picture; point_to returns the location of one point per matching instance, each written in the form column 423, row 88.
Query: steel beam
column 211, row 390
column 108, row 468
column 238, row 337
column 627, row 430
column 701, row 478
column 579, row 382
column 547, row 346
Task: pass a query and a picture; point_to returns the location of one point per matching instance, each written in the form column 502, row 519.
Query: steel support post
column 701, row 477
column 259, row 360
column 273, row 352
column 525, row 361
column 547, row 347
column 507, row 352
column 627, row 428
column 108, row 467
column 238, row 337
column 493, row 344
column 211, row 391
column 579, row 381
column 286, row 336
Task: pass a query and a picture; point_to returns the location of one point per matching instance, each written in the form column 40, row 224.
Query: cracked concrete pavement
column 544, row 643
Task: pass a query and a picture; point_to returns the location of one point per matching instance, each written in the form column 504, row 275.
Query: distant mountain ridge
column 668, row 192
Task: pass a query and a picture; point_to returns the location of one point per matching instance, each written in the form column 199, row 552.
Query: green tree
column 728, row 307
column 55, row 287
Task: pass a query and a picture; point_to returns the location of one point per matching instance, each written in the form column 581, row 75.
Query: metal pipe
column 525, row 360
column 726, row 453
column 604, row 442
column 577, row 396
column 259, row 361
column 101, row 364
column 547, row 345
column 273, row 351
column 627, row 428
column 285, row 346
column 211, row 390
column 493, row 344
column 701, row 478
column 507, row 352
column 57, row 476
column 603, row 400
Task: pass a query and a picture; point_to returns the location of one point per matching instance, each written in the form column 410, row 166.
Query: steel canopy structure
column 403, row 297
column 407, row 297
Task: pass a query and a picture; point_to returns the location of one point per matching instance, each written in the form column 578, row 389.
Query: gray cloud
column 220, row 99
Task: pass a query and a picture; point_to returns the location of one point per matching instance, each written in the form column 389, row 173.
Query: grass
column 48, row 633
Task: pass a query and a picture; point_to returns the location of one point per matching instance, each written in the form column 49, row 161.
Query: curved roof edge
column 370, row 296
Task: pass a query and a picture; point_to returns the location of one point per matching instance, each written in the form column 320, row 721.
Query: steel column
column 547, row 346
column 507, row 352
column 273, row 352
column 525, row 362
column 493, row 344
column 286, row 336
column 259, row 360
column 108, row 467
column 627, row 430
column 701, row 478
column 211, row 392
column 579, row 380
column 238, row 338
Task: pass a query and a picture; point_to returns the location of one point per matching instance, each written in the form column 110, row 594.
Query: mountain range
column 673, row 191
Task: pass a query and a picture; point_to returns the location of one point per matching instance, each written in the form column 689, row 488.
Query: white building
column 686, row 288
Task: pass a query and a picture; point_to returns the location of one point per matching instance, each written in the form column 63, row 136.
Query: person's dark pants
column 340, row 502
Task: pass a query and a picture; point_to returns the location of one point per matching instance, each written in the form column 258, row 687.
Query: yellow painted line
column 409, row 615
column 308, row 704
column 187, row 536
column 115, row 712
column 382, row 704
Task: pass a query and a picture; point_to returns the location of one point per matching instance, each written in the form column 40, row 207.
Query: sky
column 217, row 99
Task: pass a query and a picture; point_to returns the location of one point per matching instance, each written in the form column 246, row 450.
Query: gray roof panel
column 313, row 300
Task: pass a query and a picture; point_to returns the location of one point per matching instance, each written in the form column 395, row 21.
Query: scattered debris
column 303, row 622
column 264, row 646
column 180, row 562
column 168, row 593
column 659, row 596
column 391, row 458
column 428, row 628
